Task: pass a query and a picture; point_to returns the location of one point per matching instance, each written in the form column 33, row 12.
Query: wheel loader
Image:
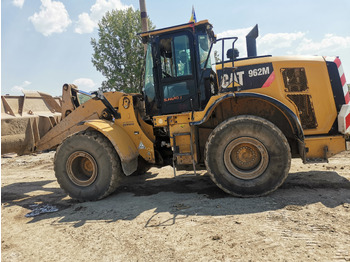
column 241, row 119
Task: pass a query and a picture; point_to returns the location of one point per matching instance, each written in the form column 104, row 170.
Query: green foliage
column 83, row 98
column 118, row 53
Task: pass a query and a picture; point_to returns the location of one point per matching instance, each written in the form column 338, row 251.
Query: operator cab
column 178, row 73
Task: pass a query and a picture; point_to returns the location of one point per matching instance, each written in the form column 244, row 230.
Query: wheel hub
column 81, row 168
column 246, row 158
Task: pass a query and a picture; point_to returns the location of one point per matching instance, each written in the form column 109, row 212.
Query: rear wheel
column 87, row 167
column 247, row 156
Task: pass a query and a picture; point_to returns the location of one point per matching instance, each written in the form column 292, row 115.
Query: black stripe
column 337, row 88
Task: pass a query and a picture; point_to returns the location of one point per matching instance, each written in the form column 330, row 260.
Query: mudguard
column 121, row 141
column 289, row 114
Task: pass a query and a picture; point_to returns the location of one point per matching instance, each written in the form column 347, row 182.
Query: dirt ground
column 156, row 217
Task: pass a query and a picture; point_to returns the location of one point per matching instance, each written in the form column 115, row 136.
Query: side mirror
column 232, row 54
column 229, row 54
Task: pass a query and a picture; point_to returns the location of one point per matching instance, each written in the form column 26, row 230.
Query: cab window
column 175, row 56
column 149, row 88
column 204, row 45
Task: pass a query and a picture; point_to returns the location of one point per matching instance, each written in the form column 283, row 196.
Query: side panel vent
column 297, row 90
column 306, row 110
column 294, row 79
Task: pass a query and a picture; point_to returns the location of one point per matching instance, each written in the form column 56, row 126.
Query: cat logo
column 246, row 77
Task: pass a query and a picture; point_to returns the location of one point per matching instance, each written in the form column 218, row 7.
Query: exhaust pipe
column 251, row 41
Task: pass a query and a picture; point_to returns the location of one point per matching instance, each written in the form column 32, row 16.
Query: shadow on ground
column 180, row 197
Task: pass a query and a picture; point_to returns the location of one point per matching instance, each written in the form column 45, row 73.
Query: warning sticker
column 141, row 145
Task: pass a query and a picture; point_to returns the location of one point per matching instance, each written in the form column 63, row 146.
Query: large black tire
column 87, row 167
column 247, row 156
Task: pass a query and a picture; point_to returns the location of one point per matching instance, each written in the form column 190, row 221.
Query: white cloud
column 240, row 33
column 240, row 44
column 297, row 43
column 84, row 83
column 88, row 22
column 19, row 88
column 85, row 24
column 52, row 18
column 18, row 3
column 329, row 42
column 285, row 38
column 270, row 42
column 301, row 44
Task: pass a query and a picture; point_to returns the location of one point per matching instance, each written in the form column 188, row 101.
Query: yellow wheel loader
column 242, row 119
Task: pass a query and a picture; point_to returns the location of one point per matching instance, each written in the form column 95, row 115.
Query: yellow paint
column 183, row 142
column 315, row 146
column 171, row 29
column 92, row 109
column 179, row 123
column 138, row 131
column 319, row 87
column 162, row 121
column 121, row 141
column 147, row 129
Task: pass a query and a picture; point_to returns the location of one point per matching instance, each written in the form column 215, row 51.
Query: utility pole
column 144, row 19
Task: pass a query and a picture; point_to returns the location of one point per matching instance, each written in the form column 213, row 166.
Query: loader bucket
column 25, row 119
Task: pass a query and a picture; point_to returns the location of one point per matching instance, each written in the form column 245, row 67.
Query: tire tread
column 117, row 174
column 225, row 124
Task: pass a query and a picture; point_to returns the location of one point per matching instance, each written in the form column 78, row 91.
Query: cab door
column 176, row 73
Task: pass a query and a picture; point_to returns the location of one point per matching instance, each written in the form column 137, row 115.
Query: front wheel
column 87, row 167
column 247, row 156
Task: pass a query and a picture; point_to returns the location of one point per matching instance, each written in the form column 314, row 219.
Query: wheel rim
column 81, row 168
column 246, row 158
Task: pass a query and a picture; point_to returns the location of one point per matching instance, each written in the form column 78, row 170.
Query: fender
column 122, row 143
column 290, row 115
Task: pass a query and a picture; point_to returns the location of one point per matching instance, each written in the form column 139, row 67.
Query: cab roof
column 148, row 34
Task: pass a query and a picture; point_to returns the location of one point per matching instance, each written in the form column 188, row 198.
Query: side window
column 175, row 56
column 203, row 49
column 166, row 57
column 175, row 91
column 149, row 82
column 182, row 55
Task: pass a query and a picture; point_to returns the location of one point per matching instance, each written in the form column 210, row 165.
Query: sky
column 46, row 43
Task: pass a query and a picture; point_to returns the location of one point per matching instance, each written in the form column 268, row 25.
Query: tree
column 118, row 53
column 217, row 57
